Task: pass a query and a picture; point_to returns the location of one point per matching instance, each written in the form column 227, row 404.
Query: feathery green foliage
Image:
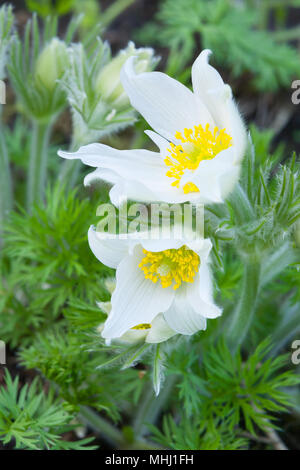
column 52, row 264
column 67, row 358
column 251, row 391
column 33, row 420
column 231, row 30
column 189, row 434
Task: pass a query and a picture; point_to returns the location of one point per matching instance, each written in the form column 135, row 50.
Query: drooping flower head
column 170, row 278
column 157, row 331
column 200, row 135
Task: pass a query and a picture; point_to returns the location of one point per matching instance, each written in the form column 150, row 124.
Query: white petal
column 132, row 190
column 133, row 336
column 139, row 174
column 200, row 294
column 109, row 251
column 217, row 97
column 136, row 299
column 182, row 317
column 162, row 244
column 166, row 104
column 214, row 178
column 202, row 247
column 204, row 76
column 149, row 189
column 162, row 143
column 160, row 330
column 126, row 163
column 101, row 174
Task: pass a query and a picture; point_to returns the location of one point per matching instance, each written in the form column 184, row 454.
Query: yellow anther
column 142, row 326
column 197, row 144
column 171, row 267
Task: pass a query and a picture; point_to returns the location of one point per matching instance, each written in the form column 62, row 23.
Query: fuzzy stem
column 244, row 312
column 110, row 434
column 37, row 173
column 113, row 11
column 5, row 178
column 108, row 431
column 285, row 331
column 277, row 262
column 151, row 406
column 69, row 173
column 239, row 201
column 70, row 169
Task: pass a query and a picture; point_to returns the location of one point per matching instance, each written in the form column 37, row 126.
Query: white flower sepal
column 157, row 332
column 168, row 277
column 201, row 137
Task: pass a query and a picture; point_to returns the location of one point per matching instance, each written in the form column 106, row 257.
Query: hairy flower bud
column 51, row 63
column 108, row 82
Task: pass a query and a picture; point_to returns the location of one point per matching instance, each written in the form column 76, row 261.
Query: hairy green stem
column 70, row 169
column 245, row 309
column 113, row 11
column 110, row 433
column 151, row 406
column 287, row 328
column 239, row 201
column 277, row 262
column 37, row 173
column 69, row 173
column 5, row 178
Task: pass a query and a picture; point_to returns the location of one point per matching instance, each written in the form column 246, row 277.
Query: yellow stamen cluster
column 172, row 266
column 142, row 326
column 197, row 144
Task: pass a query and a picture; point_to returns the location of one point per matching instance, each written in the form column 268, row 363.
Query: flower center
column 197, row 144
column 142, row 326
column 171, row 267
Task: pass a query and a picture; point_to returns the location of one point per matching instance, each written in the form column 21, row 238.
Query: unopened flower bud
column 51, row 63
column 108, row 81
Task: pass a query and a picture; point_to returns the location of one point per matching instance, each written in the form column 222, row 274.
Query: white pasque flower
column 168, row 277
column 200, row 134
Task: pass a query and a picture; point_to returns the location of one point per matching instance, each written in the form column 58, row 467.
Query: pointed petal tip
column 206, row 53
column 62, row 154
column 67, row 155
column 128, row 68
column 203, row 56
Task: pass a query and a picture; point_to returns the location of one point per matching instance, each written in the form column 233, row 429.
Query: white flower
column 155, row 332
column 200, row 134
column 170, row 277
